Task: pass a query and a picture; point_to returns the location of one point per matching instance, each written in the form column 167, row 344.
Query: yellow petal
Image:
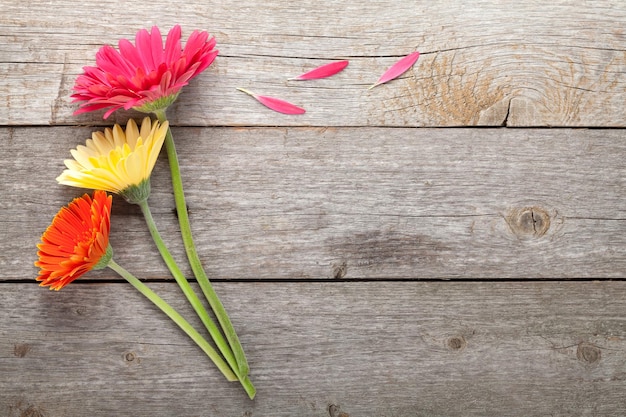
column 146, row 127
column 132, row 133
column 119, row 137
column 116, row 159
column 100, row 143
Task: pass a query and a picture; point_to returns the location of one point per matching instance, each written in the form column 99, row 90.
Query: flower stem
column 177, row 318
column 192, row 254
column 194, row 300
column 186, row 288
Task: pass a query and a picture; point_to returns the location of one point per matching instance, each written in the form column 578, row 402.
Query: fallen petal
column 276, row 104
column 397, row 69
column 323, row 71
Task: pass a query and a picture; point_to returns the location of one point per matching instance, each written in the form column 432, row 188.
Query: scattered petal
column 322, row 71
column 276, row 104
column 397, row 69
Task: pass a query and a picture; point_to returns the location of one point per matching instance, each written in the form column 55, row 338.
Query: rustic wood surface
column 357, row 203
column 513, row 63
column 373, row 263
column 323, row 349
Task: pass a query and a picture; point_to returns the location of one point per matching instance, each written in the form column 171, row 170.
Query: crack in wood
column 505, row 122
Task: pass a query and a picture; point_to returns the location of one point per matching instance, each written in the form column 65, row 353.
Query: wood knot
column 588, row 353
column 340, row 271
column 335, row 411
column 21, row 349
column 80, row 310
column 456, row 343
column 529, row 222
column 131, row 358
column 32, row 411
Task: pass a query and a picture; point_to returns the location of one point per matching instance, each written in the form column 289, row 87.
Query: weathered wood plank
column 353, row 203
column 529, row 63
column 366, row 349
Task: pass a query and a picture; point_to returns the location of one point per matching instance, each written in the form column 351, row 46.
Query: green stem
column 194, row 300
column 186, row 288
column 192, row 254
column 177, row 318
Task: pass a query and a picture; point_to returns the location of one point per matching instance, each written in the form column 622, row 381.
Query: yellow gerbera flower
column 117, row 161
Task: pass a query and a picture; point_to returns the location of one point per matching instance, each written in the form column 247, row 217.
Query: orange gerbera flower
column 76, row 242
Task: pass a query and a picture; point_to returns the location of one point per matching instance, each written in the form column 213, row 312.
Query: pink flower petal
column 144, row 73
column 322, row 71
column 276, row 104
column 397, row 69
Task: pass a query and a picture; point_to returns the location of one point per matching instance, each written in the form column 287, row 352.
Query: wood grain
column 321, row 349
column 359, row 249
column 353, row 203
column 496, row 63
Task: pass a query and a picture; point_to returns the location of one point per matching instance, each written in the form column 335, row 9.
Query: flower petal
column 397, row 69
column 146, row 75
column 276, row 104
column 76, row 240
column 173, row 48
column 157, row 47
column 322, row 71
column 116, row 160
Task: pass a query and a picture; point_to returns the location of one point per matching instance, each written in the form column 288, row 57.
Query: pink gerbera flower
column 146, row 76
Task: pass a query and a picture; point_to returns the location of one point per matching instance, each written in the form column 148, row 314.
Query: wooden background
column 449, row 244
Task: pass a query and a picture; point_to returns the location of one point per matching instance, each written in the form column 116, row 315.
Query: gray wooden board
column 531, row 63
column 362, row 349
column 349, row 190
column 352, row 202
